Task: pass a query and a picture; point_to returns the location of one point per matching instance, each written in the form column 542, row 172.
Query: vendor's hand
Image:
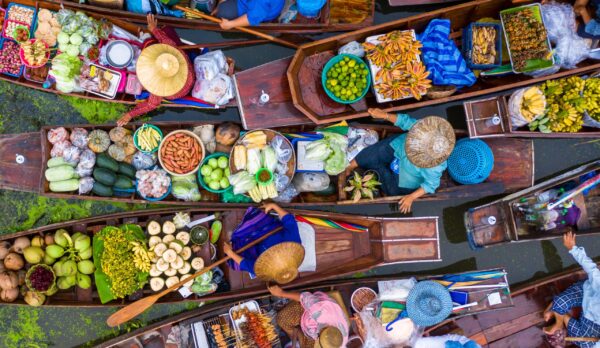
column 152, row 22
column 275, row 290
column 124, row 120
column 405, row 204
column 227, row 249
column 226, row 24
column 268, row 207
column 379, row 114
column 569, row 240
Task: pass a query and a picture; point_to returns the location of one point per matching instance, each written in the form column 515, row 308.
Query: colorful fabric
column 259, row 11
column 442, row 58
column 288, row 319
column 591, row 287
column 153, row 102
column 321, row 311
column 332, row 223
column 254, row 225
column 573, row 297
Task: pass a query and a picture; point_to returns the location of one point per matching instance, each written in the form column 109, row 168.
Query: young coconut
column 186, row 253
column 170, row 272
column 176, row 245
column 169, row 255
column 168, row 239
column 159, row 249
column 20, row 244
column 154, row 272
column 197, row 263
column 162, row 265
column 157, row 283
column 168, row 227
column 153, row 228
column 14, row 262
column 172, row 281
column 184, row 237
column 187, row 267
column 178, row 263
column 154, row 240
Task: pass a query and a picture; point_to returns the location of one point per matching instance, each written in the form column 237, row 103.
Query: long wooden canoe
column 511, row 226
column 513, row 169
column 340, row 290
column 521, row 326
column 304, row 73
column 479, row 112
column 338, row 252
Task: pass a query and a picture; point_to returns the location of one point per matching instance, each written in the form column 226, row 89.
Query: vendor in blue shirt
column 410, row 164
column 289, row 233
column 584, row 294
column 243, row 13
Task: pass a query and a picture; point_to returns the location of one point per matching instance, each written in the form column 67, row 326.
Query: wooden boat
column 330, row 18
column 521, row 326
column 120, row 97
column 340, row 290
column 304, row 73
column 511, row 225
column 339, row 252
column 513, row 170
column 478, row 112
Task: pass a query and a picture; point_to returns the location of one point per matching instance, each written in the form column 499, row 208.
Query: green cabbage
column 253, row 161
column 318, row 150
column 242, row 182
column 269, row 158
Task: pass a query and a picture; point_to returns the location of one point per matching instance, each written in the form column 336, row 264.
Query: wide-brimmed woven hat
column 280, row 262
column 428, row 303
column 329, row 337
column 162, row 70
column 429, row 142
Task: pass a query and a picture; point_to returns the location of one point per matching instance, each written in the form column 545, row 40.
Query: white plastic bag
column 209, row 65
column 353, row 48
column 561, row 26
column 311, row 182
column 217, row 91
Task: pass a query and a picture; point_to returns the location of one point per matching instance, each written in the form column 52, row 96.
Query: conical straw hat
column 162, row 70
column 280, row 262
column 329, row 337
column 429, row 142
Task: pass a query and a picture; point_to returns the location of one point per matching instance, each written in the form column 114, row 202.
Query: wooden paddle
column 136, row 308
column 244, row 29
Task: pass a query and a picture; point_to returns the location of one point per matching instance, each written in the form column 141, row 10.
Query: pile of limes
column 347, row 79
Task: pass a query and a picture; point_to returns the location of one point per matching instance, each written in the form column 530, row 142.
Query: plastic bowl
column 21, row 27
column 259, row 172
column 201, row 178
column 135, row 138
column 153, row 199
column 194, row 136
column 329, row 65
column 26, row 63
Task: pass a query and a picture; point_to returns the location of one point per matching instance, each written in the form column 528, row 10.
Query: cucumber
column 102, row 190
column 105, row 161
column 64, row 185
column 104, row 176
column 127, row 169
column 123, row 182
column 58, row 161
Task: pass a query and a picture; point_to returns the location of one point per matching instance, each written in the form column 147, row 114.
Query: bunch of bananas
column 591, row 94
column 565, row 104
column 142, row 258
column 412, row 79
column 484, row 45
column 533, row 103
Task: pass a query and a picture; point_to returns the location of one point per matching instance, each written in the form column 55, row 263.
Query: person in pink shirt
column 322, row 318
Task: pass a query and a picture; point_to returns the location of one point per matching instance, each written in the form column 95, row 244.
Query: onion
column 20, row 244
column 14, row 262
column 4, row 249
column 9, row 295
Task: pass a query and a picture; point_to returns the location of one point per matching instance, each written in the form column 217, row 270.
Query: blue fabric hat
column 428, row 303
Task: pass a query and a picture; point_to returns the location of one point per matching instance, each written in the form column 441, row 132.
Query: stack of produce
column 399, row 73
column 347, row 79
column 215, row 172
column 18, row 16
column 527, row 36
column 565, row 104
column 47, row 27
column 591, row 95
column 12, row 268
column 331, row 150
column 70, row 256
column 484, row 45
column 79, row 32
column 10, row 62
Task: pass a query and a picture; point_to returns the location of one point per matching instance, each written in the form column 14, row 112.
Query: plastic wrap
column 207, row 135
column 56, row 135
column 269, row 158
column 514, row 109
column 208, row 65
column 83, row 171
column 217, row 91
column 79, row 137
column 85, row 185
column 71, row 155
column 87, row 159
column 59, row 148
column 353, row 48
column 242, row 182
column 287, row 195
column 143, row 161
column 253, row 161
column 561, row 26
column 186, row 188
column 376, row 335
column 281, row 182
column 282, row 149
column 359, row 139
column 311, row 182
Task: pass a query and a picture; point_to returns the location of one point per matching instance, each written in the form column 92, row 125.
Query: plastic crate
column 467, row 45
column 30, row 26
column 2, row 43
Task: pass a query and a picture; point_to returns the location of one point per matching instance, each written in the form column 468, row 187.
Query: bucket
column 310, row 8
column 206, row 6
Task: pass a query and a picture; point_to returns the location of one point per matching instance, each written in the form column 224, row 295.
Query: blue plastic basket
column 2, row 42
column 310, row 8
column 471, row 161
column 467, row 45
column 330, row 64
column 32, row 26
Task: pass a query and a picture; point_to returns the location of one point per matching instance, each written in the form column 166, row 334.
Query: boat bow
column 21, row 161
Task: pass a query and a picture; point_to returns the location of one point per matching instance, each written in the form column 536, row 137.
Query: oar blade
column 131, row 311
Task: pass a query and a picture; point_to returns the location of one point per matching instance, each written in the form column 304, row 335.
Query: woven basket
column 438, row 92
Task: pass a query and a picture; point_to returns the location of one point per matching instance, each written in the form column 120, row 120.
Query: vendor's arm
column 582, row 259
column 405, row 203
column 268, row 207
column 157, row 33
column 276, row 290
column 246, row 264
column 431, row 181
column 402, row 121
column 241, row 21
column 152, row 103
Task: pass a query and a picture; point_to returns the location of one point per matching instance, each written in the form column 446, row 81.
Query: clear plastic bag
column 514, row 109
column 85, row 185
column 353, row 48
column 83, row 171
column 359, row 139
column 561, row 26
column 71, row 155
column 59, row 148
column 403, row 332
column 207, row 135
column 209, row 65
column 87, row 159
column 143, row 161
column 185, row 188
column 216, row 91
column 281, row 182
column 79, row 137
column 287, row 195
column 282, row 149
column 56, row 135
column 311, row 182
column 242, row 182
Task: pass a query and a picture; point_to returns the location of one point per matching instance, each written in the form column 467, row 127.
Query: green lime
column 346, row 59
column 334, row 74
column 345, row 69
column 334, row 82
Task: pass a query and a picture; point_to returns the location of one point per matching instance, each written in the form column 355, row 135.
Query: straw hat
column 162, row 70
column 428, row 303
column 280, row 262
column 329, row 337
column 429, row 142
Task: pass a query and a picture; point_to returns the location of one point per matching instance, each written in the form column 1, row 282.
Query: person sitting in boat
column 584, row 294
column 321, row 320
column 275, row 258
column 164, row 70
column 410, row 164
column 591, row 24
column 243, row 13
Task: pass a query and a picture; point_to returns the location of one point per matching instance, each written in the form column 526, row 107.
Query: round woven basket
column 438, row 92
